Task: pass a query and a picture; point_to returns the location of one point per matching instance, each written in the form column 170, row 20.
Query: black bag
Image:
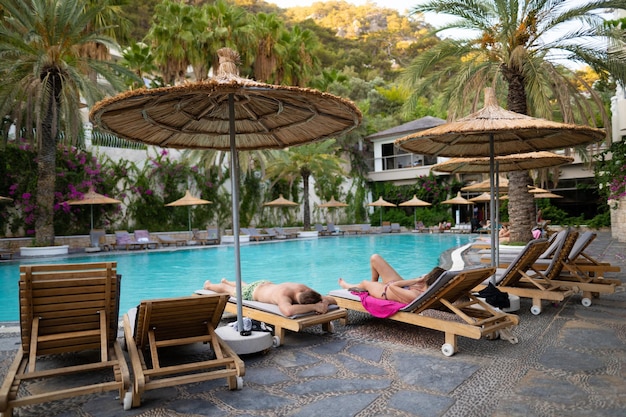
column 494, row 296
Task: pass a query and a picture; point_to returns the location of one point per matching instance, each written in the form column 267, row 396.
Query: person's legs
column 382, row 269
column 224, row 287
column 375, row 288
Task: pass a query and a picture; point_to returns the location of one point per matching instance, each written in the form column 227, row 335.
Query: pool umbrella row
column 228, row 113
column 493, row 131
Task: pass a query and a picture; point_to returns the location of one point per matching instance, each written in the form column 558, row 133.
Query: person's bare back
column 290, row 297
column 287, row 296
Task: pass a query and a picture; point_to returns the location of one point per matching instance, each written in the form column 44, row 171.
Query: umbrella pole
column 91, row 207
column 234, row 175
column 189, row 221
column 492, row 205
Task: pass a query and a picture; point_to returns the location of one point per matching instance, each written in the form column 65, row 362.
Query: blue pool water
column 315, row 262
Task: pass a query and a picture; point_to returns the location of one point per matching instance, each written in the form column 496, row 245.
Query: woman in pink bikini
column 393, row 286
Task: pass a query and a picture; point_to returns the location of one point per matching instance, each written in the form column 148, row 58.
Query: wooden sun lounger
column 66, row 309
column 524, row 279
column 572, row 275
column 451, row 292
column 270, row 314
column 174, row 322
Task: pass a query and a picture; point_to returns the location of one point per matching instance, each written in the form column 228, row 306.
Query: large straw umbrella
column 91, row 198
column 415, row 202
column 333, row 204
column 227, row 113
column 188, row 200
column 5, row 199
column 381, row 203
column 281, row 202
column 493, row 131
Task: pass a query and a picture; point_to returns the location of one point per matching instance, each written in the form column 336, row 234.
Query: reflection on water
column 315, row 262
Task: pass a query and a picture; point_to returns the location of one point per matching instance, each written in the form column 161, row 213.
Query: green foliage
column 600, row 221
column 610, row 171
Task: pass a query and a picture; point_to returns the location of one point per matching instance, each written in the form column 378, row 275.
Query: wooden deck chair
column 582, row 278
column 160, row 324
column 143, row 238
column 539, row 283
column 167, row 240
column 271, row 314
column 451, row 292
column 283, row 232
column 66, row 309
column 321, row 230
column 334, row 231
column 213, row 235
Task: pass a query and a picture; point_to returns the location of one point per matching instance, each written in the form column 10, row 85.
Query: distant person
column 475, row 224
column 393, row 287
column 504, row 235
column 290, row 297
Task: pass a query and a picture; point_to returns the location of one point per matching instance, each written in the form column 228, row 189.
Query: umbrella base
column 242, row 345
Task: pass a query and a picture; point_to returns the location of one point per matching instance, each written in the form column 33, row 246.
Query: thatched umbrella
column 333, row 204
column 281, row 202
column 485, row 186
column 5, row 199
column 514, row 162
column 415, row 202
column 458, row 200
column 381, row 203
column 493, row 131
column 230, row 113
column 91, row 197
column 188, row 200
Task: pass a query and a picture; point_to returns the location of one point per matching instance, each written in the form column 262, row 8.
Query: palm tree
column 44, row 77
column 518, row 47
column 268, row 29
column 302, row 162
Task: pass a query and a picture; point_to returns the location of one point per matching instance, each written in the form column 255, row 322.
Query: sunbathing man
column 393, row 286
column 290, row 297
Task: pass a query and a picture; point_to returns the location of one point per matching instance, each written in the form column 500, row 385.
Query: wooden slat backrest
column 523, row 262
column 178, row 318
column 459, row 286
column 556, row 266
column 67, row 298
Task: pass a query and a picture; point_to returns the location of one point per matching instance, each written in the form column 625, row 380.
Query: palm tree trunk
column 521, row 203
column 46, row 166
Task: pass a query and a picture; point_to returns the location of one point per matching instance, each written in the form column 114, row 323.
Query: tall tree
column 518, row 47
column 301, row 162
column 44, row 77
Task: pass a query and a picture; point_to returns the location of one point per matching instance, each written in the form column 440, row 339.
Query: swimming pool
column 315, row 262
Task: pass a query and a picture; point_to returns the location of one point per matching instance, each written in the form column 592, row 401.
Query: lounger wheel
column 536, row 310
column 275, row 341
column 447, row 349
column 239, row 383
column 128, row 399
column 586, row 301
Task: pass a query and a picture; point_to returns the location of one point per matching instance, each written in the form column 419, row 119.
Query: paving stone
column 420, row 404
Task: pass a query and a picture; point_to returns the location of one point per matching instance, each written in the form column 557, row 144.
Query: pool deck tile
column 570, row 360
